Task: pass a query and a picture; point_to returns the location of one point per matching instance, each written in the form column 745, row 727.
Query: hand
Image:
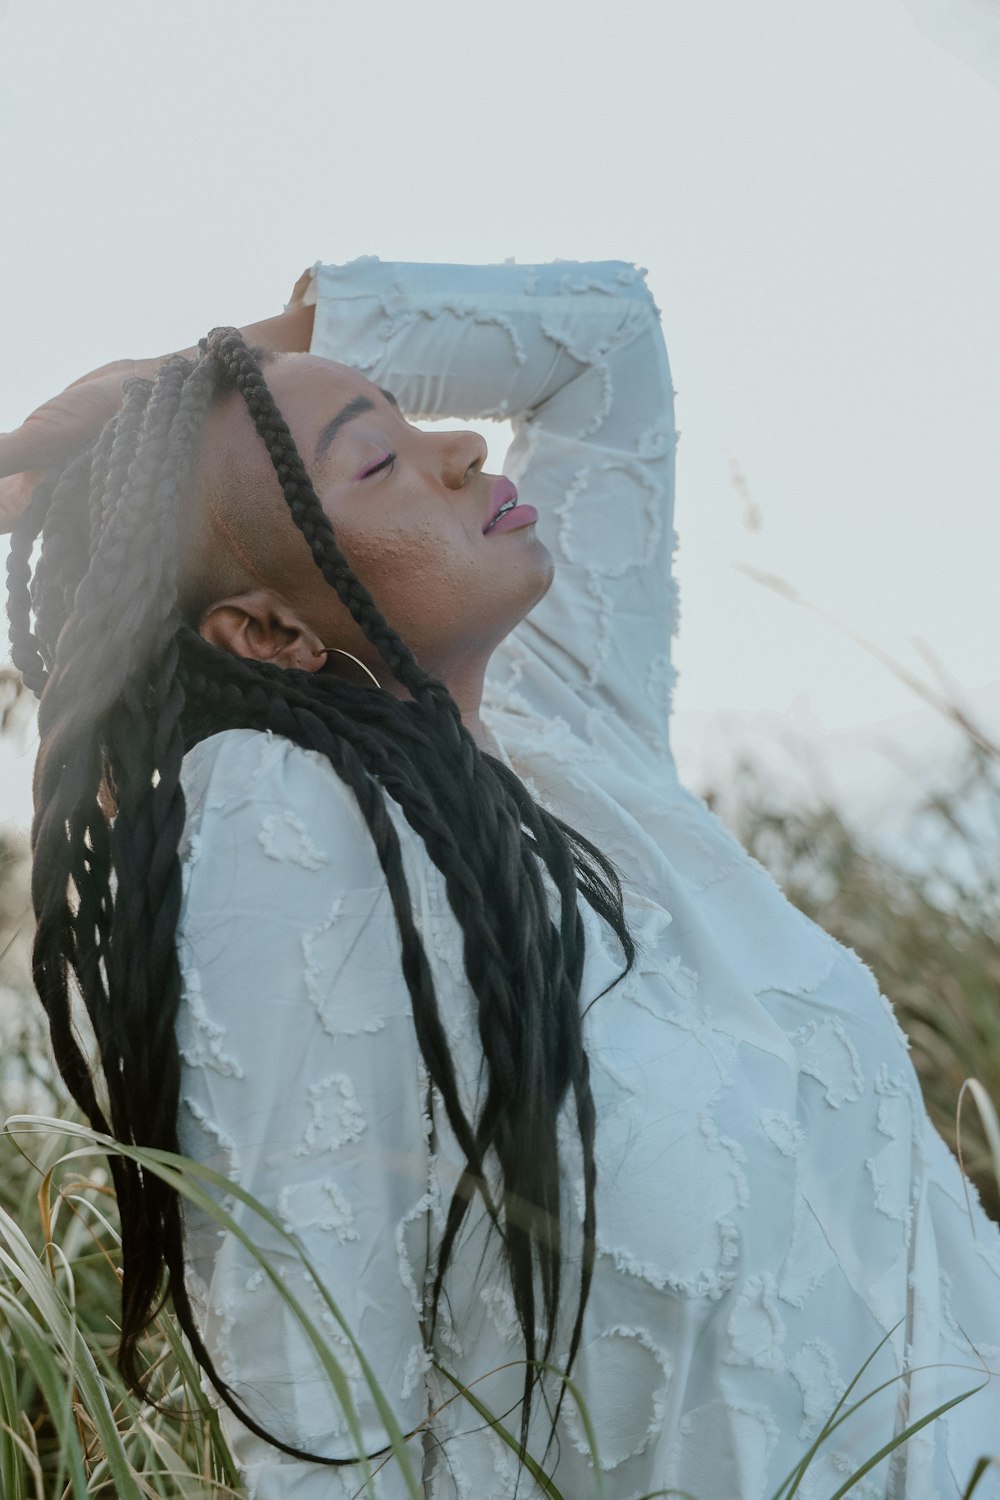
column 61, row 425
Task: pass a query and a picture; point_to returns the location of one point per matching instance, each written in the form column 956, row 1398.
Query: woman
column 376, row 756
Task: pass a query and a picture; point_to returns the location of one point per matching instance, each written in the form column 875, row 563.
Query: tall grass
column 930, row 934
column 67, row 1426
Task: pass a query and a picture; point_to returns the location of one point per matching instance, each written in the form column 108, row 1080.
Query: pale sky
column 812, row 188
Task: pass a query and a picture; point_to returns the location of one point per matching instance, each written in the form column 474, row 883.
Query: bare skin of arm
column 78, row 413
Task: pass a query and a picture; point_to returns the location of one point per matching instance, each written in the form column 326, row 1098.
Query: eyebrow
column 346, row 414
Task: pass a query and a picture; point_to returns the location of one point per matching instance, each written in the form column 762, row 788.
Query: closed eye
column 377, row 468
column 390, row 458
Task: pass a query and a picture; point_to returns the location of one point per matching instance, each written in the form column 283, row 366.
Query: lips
column 503, row 491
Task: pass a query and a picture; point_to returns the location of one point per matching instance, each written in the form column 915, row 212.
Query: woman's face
column 407, row 507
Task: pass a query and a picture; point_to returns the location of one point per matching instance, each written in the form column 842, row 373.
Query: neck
column 467, row 690
column 483, row 737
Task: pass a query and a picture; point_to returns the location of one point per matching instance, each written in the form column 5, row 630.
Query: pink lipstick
column 505, row 512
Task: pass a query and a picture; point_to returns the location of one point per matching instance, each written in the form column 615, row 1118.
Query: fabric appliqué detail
column 286, row 838
column 782, row 1131
column 223, row 1154
column 628, row 1386
column 827, row 1054
column 199, row 1038
column 815, row 1370
column 737, row 1156
column 324, row 997
column 418, row 1362
column 317, row 1205
column 637, row 539
column 756, row 1328
column 730, row 1443
column 335, row 1116
column 502, row 1313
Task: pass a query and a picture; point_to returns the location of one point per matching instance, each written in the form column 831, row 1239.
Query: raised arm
column 572, row 353
column 301, row 1081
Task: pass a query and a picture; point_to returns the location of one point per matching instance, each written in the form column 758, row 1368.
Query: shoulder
column 284, row 896
column 238, row 766
column 260, row 792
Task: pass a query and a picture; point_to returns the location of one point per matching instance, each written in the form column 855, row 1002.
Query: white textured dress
column 772, row 1201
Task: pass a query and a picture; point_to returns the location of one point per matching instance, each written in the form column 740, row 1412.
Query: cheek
column 435, row 585
column 425, row 574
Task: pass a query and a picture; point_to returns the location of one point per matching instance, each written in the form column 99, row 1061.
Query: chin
column 546, row 573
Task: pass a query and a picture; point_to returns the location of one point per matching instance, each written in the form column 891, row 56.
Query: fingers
column 60, row 426
column 300, row 288
column 19, row 450
column 50, row 435
column 15, row 492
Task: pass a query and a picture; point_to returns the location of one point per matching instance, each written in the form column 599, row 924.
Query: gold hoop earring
column 325, row 651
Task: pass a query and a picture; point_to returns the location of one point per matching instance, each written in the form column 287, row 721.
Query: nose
column 462, row 455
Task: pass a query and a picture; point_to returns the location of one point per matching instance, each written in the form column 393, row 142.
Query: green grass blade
column 977, row 1474
column 903, row 1437
column 28, row 1460
column 12, row 1446
column 987, row 1117
column 57, row 1320
column 546, row 1485
column 798, row 1473
column 57, row 1394
column 834, row 1421
column 189, row 1374
column 588, row 1425
column 186, row 1177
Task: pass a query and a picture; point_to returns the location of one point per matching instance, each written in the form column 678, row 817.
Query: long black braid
column 126, row 687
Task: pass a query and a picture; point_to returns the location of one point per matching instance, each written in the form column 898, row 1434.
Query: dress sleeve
column 302, row 1082
column 572, row 353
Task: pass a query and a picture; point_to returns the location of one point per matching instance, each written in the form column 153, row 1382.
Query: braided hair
column 127, row 685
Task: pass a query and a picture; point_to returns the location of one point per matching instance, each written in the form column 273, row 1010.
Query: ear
column 263, row 626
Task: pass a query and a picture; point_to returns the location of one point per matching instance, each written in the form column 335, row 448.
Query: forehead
column 317, row 397
column 308, row 391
